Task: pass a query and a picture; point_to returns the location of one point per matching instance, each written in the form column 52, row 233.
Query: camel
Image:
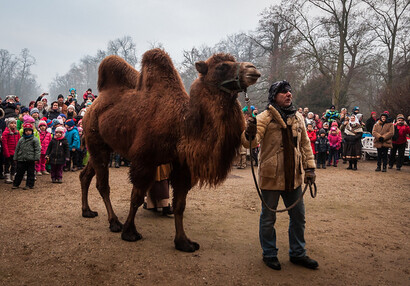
column 149, row 119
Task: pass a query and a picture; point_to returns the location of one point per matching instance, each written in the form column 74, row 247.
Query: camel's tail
column 116, row 72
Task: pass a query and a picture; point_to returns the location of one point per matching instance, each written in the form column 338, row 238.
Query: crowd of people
column 42, row 139
column 337, row 136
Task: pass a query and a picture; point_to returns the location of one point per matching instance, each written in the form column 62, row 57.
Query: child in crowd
column 322, row 149
column 30, row 120
column 27, row 153
column 36, row 116
column 326, row 127
column 334, row 143
column 23, row 112
column 73, row 138
column 312, row 137
column 57, row 154
column 10, row 139
column 83, row 150
column 45, row 138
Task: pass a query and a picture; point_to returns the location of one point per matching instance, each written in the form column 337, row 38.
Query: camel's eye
column 222, row 67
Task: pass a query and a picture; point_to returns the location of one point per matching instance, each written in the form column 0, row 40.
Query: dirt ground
column 357, row 228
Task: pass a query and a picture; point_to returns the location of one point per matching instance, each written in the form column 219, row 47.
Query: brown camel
column 150, row 119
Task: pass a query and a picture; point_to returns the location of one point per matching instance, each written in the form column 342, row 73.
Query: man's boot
column 350, row 166
column 8, row 179
column 378, row 169
column 384, row 168
column 355, row 166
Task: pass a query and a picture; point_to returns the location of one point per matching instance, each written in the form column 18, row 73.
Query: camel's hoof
column 115, row 226
column 187, row 246
column 89, row 213
column 131, row 236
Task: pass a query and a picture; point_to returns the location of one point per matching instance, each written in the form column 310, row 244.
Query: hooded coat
column 272, row 156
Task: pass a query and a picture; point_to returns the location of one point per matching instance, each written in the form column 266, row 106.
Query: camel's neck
column 213, row 129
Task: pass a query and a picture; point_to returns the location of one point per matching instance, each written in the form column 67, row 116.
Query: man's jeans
column 267, row 234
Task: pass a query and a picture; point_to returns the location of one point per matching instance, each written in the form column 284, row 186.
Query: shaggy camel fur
column 150, row 119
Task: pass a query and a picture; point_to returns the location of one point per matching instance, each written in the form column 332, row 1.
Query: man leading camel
column 284, row 152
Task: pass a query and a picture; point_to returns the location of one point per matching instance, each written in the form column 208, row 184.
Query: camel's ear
column 201, row 67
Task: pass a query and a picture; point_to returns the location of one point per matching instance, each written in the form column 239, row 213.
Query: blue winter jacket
column 73, row 138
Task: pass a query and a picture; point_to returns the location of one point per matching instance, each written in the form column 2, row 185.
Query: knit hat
column 71, row 107
column 42, row 122
column 49, row 122
column 63, row 115
column 28, row 119
column 60, row 96
column 400, row 116
column 278, row 87
column 326, row 123
column 373, row 112
column 384, row 114
column 334, row 123
column 355, row 108
column 56, row 121
column 388, row 113
column 10, row 120
column 322, row 131
column 34, row 110
column 24, row 109
column 27, row 126
column 60, row 129
column 332, row 106
column 70, row 123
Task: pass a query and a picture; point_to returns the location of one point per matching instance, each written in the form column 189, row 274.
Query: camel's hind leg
column 181, row 183
column 142, row 178
column 100, row 165
column 86, row 176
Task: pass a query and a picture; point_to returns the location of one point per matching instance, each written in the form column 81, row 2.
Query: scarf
column 288, row 145
column 353, row 129
column 284, row 112
column 28, row 136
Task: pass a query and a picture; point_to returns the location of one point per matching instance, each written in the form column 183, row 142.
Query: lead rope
column 313, row 191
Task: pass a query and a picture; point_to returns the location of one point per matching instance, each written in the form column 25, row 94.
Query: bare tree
column 385, row 19
column 125, row 48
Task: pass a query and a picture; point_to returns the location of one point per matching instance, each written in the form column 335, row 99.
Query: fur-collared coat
column 272, row 156
column 385, row 130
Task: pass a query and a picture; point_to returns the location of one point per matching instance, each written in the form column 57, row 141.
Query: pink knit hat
column 28, row 119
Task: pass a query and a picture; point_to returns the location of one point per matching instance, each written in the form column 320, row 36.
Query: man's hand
column 250, row 131
column 310, row 176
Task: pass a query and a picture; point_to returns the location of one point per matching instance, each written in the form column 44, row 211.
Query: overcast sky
column 59, row 33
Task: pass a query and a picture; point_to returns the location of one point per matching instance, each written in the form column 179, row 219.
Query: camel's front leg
column 182, row 242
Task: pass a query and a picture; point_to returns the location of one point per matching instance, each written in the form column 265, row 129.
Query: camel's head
column 224, row 72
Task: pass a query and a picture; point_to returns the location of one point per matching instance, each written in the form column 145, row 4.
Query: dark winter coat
column 28, row 149
column 58, row 151
column 9, row 109
column 321, row 144
column 53, row 114
column 369, row 124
